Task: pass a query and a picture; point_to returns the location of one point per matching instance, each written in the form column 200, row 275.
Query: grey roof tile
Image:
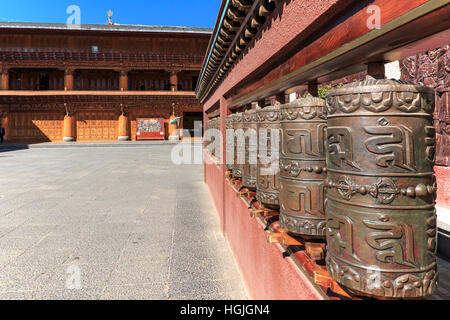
column 105, row 27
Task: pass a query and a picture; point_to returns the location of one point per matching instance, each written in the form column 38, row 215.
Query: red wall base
column 267, row 275
column 443, row 189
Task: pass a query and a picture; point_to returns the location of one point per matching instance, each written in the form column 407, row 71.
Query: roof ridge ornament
column 110, row 14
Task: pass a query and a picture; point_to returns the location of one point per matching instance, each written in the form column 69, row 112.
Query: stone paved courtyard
column 133, row 224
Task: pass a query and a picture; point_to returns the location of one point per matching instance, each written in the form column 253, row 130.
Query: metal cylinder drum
column 208, row 125
column 237, row 125
column 381, row 219
column 268, row 175
column 211, row 144
column 217, row 150
column 302, row 167
column 249, row 169
column 229, row 142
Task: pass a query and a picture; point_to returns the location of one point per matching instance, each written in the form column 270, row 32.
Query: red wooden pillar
column 205, row 120
column 123, row 83
column 124, row 134
column 4, row 83
column 69, row 126
column 223, row 160
column 174, row 80
column 68, row 80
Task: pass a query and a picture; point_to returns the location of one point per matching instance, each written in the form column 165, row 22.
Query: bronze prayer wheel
column 249, row 168
column 229, row 142
column 211, row 144
column 218, row 147
column 217, row 151
column 302, row 167
column 237, row 126
column 208, row 144
column 268, row 180
column 381, row 219
column 214, row 124
column 206, row 127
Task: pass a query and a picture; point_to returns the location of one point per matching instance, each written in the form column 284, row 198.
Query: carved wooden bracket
column 263, row 213
column 69, row 71
column 324, row 279
column 4, row 69
column 123, row 110
column 124, row 72
column 173, row 71
column 282, row 238
column 316, row 251
column 68, row 110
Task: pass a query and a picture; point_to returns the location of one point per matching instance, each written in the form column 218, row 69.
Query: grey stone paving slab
column 56, row 241
column 216, row 296
column 144, row 251
column 7, row 255
column 83, row 294
column 136, row 225
column 41, row 256
column 22, row 278
column 108, row 253
column 205, row 235
column 198, row 270
column 155, row 291
column 9, row 242
column 32, row 231
column 94, row 277
column 202, row 251
column 194, row 289
column 140, row 272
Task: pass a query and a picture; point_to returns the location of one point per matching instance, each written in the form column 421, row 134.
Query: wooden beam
column 310, row 62
column 376, row 69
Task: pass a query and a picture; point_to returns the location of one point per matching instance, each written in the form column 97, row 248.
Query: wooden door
column 36, row 126
column 97, row 126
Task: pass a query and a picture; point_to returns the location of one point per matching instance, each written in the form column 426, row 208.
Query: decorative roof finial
column 110, row 14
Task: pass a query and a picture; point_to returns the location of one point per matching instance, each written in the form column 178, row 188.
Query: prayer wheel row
column 267, row 172
column 229, row 142
column 212, row 146
column 355, row 170
column 380, row 207
column 249, row 169
column 302, row 167
column 207, row 126
column 238, row 154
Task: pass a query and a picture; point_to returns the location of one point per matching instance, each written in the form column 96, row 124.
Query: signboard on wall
column 150, row 129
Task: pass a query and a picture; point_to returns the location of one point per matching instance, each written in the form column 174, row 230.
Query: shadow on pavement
column 7, row 147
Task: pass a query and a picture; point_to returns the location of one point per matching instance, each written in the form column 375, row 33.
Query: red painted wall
column 213, row 177
column 443, row 190
column 267, row 275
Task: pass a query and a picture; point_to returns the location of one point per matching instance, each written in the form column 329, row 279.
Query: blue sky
column 190, row 13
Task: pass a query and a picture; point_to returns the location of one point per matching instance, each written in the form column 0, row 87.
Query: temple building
column 93, row 83
column 358, row 204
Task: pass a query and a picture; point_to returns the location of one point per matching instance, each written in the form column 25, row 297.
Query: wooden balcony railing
column 22, row 55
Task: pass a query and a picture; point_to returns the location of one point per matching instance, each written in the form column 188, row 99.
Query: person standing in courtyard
column 2, row 133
